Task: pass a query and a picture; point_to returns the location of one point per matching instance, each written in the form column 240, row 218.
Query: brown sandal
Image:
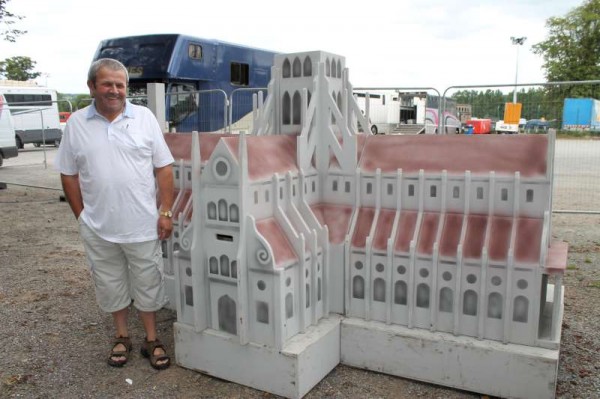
column 126, row 342
column 147, row 351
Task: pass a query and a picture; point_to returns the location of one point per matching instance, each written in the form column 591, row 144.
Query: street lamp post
column 518, row 41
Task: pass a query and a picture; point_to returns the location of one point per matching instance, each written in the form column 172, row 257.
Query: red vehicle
column 480, row 126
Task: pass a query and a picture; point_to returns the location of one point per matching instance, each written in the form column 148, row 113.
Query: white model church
column 307, row 243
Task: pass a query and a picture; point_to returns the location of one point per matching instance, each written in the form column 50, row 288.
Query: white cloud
column 405, row 43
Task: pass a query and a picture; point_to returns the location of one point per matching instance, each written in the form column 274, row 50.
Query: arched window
column 289, row 306
column 286, row 69
column 422, row 295
column 297, row 68
column 307, row 67
column 339, row 68
column 213, row 265
column 227, row 315
column 222, row 209
column 333, row 69
column 307, row 295
column 234, row 268
column 379, row 290
column 327, row 67
column 319, row 288
column 339, row 101
column 224, row 266
column 234, row 213
column 358, row 287
column 212, row 211
column 400, row 292
column 495, row 306
column 521, row 309
column 297, row 109
column 446, row 300
column 470, row 303
column 286, row 106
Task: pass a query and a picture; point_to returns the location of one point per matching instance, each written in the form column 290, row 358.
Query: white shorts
column 125, row 272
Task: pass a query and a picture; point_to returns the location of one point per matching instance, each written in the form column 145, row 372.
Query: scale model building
column 306, row 244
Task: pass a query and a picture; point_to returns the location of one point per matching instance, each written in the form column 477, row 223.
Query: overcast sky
column 391, row 43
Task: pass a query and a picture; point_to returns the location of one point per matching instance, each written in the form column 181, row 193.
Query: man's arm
column 70, row 184
column 164, row 179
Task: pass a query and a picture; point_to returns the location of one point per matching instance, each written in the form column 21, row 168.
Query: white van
column 35, row 113
column 8, row 143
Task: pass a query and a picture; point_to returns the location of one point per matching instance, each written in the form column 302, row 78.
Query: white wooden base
column 489, row 367
column 301, row 364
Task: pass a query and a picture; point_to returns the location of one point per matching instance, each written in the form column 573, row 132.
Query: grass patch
column 572, row 267
column 595, row 284
column 588, row 260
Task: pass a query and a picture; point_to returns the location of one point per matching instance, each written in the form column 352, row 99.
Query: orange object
column 512, row 113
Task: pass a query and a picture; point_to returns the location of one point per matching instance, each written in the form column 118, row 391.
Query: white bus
column 393, row 111
column 35, row 113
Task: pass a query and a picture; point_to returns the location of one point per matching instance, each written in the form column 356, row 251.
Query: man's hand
column 165, row 227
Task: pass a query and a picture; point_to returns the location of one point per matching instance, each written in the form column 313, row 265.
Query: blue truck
column 581, row 114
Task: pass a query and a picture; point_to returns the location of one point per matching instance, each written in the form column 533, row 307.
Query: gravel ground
column 55, row 338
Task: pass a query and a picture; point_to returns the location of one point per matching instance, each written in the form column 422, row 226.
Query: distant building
column 464, row 112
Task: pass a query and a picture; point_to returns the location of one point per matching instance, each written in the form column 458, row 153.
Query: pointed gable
column 180, row 144
column 283, row 253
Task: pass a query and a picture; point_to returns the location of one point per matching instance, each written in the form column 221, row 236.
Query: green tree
column 7, row 20
column 18, row 68
column 571, row 51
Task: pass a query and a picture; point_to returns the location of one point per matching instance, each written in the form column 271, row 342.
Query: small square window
column 529, row 195
column 411, row 190
column 240, row 74
column 335, row 185
column 479, row 192
column 369, row 188
column 390, row 189
column 504, row 194
column 433, row 191
column 347, row 186
column 195, row 51
column 456, row 192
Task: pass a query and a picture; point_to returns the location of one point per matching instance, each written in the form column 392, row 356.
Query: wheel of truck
column 374, row 129
column 19, row 142
column 36, row 145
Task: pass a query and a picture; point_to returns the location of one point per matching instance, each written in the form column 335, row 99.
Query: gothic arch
column 286, row 105
column 296, row 68
column 297, row 109
column 307, row 66
column 286, row 69
column 226, row 310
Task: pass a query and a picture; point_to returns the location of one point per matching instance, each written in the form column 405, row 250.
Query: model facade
column 307, row 243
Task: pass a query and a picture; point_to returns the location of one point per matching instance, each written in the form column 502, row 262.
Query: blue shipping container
column 581, row 114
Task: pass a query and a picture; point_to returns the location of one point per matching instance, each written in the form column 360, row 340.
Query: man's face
column 109, row 91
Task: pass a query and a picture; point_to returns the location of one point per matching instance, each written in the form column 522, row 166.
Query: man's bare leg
column 149, row 322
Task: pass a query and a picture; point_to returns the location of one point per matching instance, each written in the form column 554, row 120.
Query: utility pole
column 518, row 41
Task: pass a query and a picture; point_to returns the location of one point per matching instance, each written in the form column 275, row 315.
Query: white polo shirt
column 115, row 162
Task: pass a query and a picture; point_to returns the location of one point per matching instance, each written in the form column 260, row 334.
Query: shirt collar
column 93, row 112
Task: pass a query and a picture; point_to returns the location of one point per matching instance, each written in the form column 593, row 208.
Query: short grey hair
column 109, row 63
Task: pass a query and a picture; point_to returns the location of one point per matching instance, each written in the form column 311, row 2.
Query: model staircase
column 417, row 128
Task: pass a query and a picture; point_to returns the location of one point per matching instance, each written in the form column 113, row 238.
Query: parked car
column 536, row 125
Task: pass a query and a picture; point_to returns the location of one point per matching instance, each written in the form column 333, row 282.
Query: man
column 112, row 156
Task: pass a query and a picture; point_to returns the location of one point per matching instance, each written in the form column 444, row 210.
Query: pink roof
column 363, row 227
column 385, row 223
column 556, row 261
column 282, row 249
column 474, row 239
column 336, row 218
column 528, row 240
column 427, row 233
column 406, row 230
column 180, row 144
column 451, row 234
column 267, row 155
column 457, row 153
column 499, row 242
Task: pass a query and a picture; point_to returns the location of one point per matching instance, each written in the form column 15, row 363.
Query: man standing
column 111, row 158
